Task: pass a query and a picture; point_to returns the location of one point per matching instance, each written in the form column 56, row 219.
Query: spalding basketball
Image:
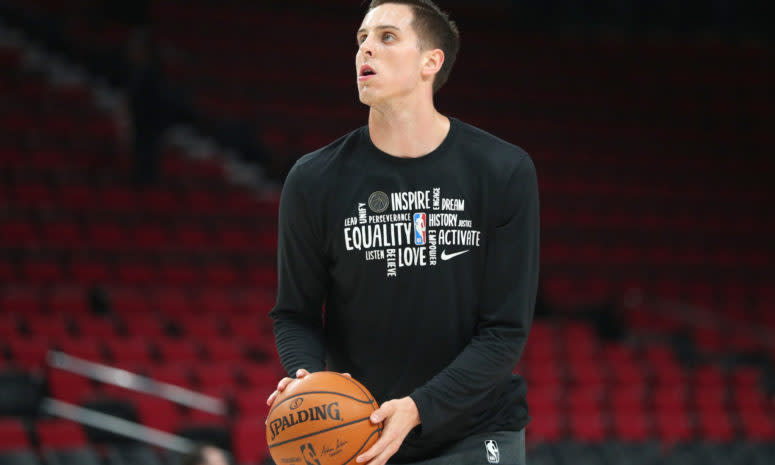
column 321, row 419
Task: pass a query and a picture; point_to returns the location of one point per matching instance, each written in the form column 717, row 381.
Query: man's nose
column 366, row 47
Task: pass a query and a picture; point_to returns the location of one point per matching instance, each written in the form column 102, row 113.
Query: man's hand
column 300, row 373
column 400, row 416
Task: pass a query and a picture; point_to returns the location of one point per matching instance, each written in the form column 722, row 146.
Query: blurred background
column 142, row 150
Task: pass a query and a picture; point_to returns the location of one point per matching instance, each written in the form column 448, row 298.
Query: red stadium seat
column 84, row 271
column 757, row 425
column 545, row 374
column 70, row 387
column 201, row 327
column 68, row 300
column 192, row 237
column 198, row 417
column 87, row 349
column 589, row 426
column 255, row 302
column 21, row 300
column 178, row 351
column 29, row 353
column 129, row 353
column 96, row 327
column 174, row 302
column 628, row 398
column 179, row 274
column 144, row 326
column 248, row 450
column 172, row 374
column 37, row 196
column 708, row 376
column 225, row 351
column 79, row 198
column 545, row 427
column 217, row 302
column 218, row 377
column 221, row 275
column 234, row 239
column 8, row 272
column 161, row 201
column 631, row 425
column 13, row 435
column 60, row 434
column 715, row 425
column 51, row 327
column 263, row 278
column 42, row 272
column 18, row 233
column 746, row 377
column 261, row 378
column 135, row 274
column 107, row 236
column 158, row 413
column 150, row 237
column 252, row 403
column 673, row 426
column 134, row 306
column 63, row 235
column 120, row 199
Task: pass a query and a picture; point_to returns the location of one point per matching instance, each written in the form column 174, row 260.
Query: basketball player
column 419, row 232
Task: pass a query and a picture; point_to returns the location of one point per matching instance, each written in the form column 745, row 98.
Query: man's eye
column 388, row 36
column 360, row 39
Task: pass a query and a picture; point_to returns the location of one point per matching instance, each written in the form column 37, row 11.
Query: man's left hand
column 400, row 416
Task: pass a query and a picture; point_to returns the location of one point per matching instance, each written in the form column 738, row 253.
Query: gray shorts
column 501, row 448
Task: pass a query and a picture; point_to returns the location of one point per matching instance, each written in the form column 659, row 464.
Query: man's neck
column 407, row 131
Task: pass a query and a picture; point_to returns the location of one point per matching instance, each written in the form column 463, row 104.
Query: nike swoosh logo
column 446, row 256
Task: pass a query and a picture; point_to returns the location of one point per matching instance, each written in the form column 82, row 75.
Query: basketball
column 321, row 419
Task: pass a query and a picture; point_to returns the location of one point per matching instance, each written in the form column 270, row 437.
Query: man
column 420, row 234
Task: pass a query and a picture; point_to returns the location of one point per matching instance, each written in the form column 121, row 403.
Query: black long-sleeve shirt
column 427, row 268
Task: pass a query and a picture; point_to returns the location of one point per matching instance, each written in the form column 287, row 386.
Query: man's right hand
column 300, row 373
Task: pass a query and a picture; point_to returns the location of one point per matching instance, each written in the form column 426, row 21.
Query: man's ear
column 432, row 61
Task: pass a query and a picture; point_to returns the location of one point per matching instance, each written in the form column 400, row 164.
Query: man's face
column 388, row 47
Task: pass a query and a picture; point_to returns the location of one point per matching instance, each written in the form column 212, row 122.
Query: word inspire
column 316, row 413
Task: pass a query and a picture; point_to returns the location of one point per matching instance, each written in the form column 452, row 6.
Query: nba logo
column 419, row 229
column 493, row 454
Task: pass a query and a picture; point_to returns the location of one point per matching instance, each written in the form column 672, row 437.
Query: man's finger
column 382, row 458
column 388, row 436
column 283, row 383
column 301, row 372
column 374, row 450
column 347, row 374
column 271, row 398
column 383, row 412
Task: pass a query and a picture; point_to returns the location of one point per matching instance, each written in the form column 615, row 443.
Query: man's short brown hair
column 434, row 30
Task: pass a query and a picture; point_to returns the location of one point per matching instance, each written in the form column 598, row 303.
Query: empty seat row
column 139, row 303
column 139, row 273
column 126, row 200
column 248, row 345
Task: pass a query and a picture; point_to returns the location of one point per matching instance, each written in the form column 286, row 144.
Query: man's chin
column 366, row 97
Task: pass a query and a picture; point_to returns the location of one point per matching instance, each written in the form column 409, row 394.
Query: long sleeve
column 302, row 280
column 505, row 310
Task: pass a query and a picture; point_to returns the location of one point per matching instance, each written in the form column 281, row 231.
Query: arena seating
column 654, row 198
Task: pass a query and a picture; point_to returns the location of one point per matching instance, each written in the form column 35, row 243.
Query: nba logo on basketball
column 419, row 229
column 493, row 454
